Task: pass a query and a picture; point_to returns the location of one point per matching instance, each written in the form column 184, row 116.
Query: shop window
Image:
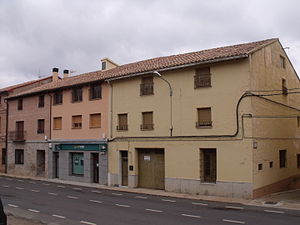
column 77, row 160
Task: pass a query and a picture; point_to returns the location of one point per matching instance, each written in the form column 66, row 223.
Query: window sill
column 57, row 129
column 76, row 128
column 122, row 130
column 146, row 129
column 76, row 101
column 203, row 87
column 95, row 127
column 57, row 104
column 95, row 99
column 204, row 127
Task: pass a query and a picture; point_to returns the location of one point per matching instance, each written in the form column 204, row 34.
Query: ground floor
column 229, row 168
column 81, row 161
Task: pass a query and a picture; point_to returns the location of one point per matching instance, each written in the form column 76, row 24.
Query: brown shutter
column 147, row 118
column 77, row 121
column 95, row 120
column 122, row 119
column 204, row 115
column 57, row 123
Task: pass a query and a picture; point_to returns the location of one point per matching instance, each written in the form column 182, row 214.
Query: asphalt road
column 55, row 203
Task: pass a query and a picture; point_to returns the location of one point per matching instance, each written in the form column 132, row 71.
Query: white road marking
column 58, row 216
column 273, row 211
column 14, row 206
column 118, row 194
column 46, row 184
column 154, row 210
column 89, row 223
column 125, row 206
column 5, row 186
column 21, row 181
column 199, row 203
column 72, row 197
column 61, row 186
column 32, row 182
column 141, row 197
column 20, row 188
column 96, row 201
column 168, row 200
column 234, row 221
column 192, row 216
column 233, row 207
column 33, row 210
column 51, row 193
column 77, row 189
column 99, row 192
column 37, row 191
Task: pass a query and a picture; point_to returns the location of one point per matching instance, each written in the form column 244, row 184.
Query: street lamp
column 156, row 73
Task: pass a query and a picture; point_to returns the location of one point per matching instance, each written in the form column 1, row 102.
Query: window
column 298, row 161
column 208, row 164
column 3, row 156
column 19, row 134
column 282, row 61
column 77, row 94
column 95, row 120
column 147, row 121
column 103, row 65
column 41, row 101
column 76, row 122
column 298, row 121
column 57, row 123
column 95, row 92
column 41, row 126
column 19, row 156
column 20, row 104
column 202, row 77
column 282, row 158
column 122, row 122
column 271, row 164
column 260, row 166
column 58, row 98
column 146, row 87
column 77, row 163
column 284, row 88
column 204, row 117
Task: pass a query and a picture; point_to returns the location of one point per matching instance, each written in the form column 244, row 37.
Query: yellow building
column 222, row 121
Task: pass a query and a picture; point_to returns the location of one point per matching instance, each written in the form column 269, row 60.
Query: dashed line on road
column 5, row 186
column 77, row 189
column 98, row 192
column 118, row 194
column 51, row 193
column 154, row 210
column 192, row 216
column 72, row 197
column 21, row 181
column 61, row 186
column 233, row 207
column 168, row 200
column 20, row 188
column 141, row 197
column 125, row 206
column 14, row 206
column 274, row 211
column 95, row 201
column 32, row 182
column 89, row 223
column 33, row 210
column 36, row 191
column 46, row 184
column 234, row 221
column 199, row 203
column 58, row 216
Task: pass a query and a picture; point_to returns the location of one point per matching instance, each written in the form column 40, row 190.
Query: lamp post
column 156, row 73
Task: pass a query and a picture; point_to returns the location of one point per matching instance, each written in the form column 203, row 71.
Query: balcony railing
column 147, row 126
column 146, row 89
column 17, row 135
column 202, row 81
column 122, row 127
column 203, row 124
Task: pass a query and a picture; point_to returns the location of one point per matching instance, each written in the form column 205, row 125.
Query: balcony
column 122, row 127
column 202, row 81
column 146, row 89
column 147, row 126
column 203, row 124
column 17, row 136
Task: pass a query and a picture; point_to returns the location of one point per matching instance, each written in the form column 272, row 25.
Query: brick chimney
column 108, row 64
column 66, row 73
column 55, row 74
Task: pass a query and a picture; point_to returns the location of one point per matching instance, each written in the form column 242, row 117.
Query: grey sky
column 37, row 35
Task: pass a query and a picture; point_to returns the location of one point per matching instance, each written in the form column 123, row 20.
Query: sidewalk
column 287, row 200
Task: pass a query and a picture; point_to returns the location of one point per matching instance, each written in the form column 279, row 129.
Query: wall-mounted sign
column 82, row 147
column 147, row 158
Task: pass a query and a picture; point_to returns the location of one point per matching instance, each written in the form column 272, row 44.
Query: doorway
column 55, row 164
column 124, row 167
column 40, row 162
column 95, row 167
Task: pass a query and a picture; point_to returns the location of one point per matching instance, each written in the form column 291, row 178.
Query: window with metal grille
column 20, row 104
column 58, row 98
column 19, row 156
column 122, row 122
column 204, row 117
column 95, row 92
column 202, row 77
column 77, row 122
column 146, row 87
column 208, row 164
column 77, row 94
column 95, row 120
column 147, row 121
column 41, row 101
column 57, row 123
column 41, row 126
column 282, row 158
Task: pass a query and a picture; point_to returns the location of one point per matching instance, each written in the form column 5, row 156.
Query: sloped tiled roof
column 222, row 53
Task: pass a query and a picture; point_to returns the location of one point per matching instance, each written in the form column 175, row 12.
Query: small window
column 58, row 98
column 298, row 161
column 122, row 122
column 95, row 92
column 20, row 104
column 77, row 94
column 3, row 156
column 57, row 123
column 284, row 88
column 147, row 121
column 260, row 166
column 271, row 164
column 19, row 156
column 104, row 65
column 146, row 87
column 95, row 120
column 282, row 158
column 202, row 77
column 204, row 117
column 41, row 101
column 282, row 61
column 77, row 122
column 208, row 165
column 41, row 126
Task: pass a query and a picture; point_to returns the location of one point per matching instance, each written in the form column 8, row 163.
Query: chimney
column 66, row 73
column 108, row 64
column 55, row 74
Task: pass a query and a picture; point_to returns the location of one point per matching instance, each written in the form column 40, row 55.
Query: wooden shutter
column 204, row 116
column 122, row 119
column 147, row 118
column 95, row 120
column 57, row 123
column 77, row 121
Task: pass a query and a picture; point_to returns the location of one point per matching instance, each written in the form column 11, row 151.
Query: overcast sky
column 37, row 35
